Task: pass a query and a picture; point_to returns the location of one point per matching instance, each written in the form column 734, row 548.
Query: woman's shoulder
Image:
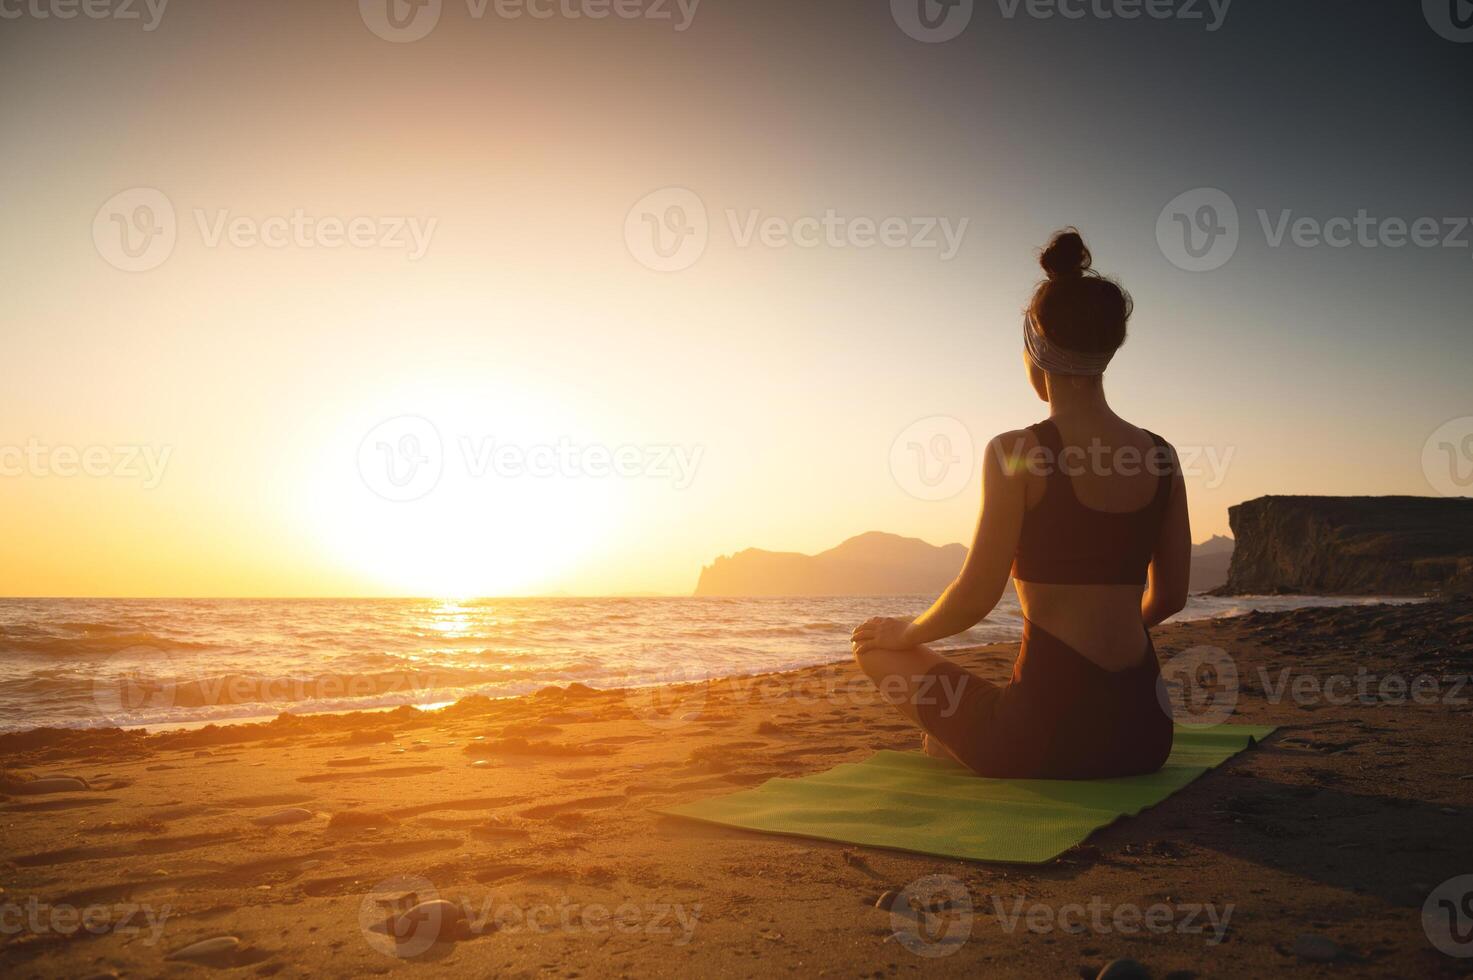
column 1010, row 451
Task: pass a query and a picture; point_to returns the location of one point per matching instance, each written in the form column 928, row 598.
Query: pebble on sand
column 359, row 818
column 442, row 915
column 53, row 784
column 206, row 948
column 293, row 814
column 1317, row 949
column 1124, row 969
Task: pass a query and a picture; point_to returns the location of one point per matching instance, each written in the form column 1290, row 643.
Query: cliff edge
column 1352, row 545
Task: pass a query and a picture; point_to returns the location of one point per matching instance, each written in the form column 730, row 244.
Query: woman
column 1089, row 514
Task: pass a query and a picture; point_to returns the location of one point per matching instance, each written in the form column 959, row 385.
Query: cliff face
column 1352, row 545
column 870, row 564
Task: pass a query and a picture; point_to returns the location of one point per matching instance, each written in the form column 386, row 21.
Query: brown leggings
column 1060, row 717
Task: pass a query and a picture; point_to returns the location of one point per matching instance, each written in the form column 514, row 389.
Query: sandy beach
column 290, row 844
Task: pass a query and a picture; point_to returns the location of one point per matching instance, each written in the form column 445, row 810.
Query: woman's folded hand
column 880, row 633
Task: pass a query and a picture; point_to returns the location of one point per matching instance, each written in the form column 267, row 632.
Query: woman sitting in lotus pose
column 1088, row 513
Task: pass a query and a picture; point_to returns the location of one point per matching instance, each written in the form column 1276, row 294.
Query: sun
column 474, row 529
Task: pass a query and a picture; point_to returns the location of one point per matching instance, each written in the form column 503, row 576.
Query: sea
column 83, row 663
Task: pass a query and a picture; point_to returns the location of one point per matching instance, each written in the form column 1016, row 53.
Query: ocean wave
column 83, row 663
column 102, row 642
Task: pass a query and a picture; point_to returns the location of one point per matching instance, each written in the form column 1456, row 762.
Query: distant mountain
column 875, row 563
column 1210, row 562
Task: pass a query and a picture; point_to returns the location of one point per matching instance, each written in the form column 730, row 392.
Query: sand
column 298, row 847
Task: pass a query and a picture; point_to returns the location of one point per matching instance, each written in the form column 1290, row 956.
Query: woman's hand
column 881, row 633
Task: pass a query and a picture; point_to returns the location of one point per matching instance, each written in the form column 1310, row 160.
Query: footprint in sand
column 580, row 807
column 269, row 799
column 327, row 777
column 494, row 830
column 48, row 805
column 473, row 803
column 488, row 873
column 148, row 845
column 282, row 818
column 45, row 784
column 404, row 848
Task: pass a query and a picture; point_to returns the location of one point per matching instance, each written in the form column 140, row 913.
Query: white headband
column 1054, row 359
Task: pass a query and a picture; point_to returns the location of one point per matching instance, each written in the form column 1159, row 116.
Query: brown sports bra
column 1064, row 542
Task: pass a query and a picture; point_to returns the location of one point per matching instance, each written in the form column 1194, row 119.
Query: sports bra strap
column 1163, row 483
column 1051, row 442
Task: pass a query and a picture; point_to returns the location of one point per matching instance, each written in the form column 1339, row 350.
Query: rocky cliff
column 1352, row 545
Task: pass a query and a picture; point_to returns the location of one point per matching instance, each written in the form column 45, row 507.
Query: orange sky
column 252, row 367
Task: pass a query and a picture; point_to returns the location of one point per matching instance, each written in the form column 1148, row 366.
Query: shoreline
column 437, row 698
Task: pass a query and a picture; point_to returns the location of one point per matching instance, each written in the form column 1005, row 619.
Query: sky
column 344, row 299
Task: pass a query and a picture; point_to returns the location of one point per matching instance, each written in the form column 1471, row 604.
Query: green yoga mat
column 910, row 802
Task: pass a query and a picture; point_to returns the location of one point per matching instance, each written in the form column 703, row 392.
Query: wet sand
column 294, row 847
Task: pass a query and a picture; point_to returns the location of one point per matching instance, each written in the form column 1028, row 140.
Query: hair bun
column 1065, row 256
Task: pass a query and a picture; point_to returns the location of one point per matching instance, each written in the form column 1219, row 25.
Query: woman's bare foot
column 936, row 750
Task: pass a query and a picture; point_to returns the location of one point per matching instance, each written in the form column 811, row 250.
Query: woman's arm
column 1171, row 563
column 984, row 574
